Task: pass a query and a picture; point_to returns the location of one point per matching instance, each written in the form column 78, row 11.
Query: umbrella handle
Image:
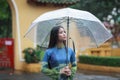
column 73, row 44
column 66, row 49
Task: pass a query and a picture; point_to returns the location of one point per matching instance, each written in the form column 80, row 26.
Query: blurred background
column 17, row 15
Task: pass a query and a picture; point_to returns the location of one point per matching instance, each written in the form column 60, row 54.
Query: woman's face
column 62, row 35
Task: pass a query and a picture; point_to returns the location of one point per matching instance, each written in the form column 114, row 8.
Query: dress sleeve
column 73, row 64
column 53, row 73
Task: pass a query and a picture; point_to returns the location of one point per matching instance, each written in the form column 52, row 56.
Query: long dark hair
column 54, row 37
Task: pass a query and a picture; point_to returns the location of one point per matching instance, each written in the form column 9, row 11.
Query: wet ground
column 80, row 75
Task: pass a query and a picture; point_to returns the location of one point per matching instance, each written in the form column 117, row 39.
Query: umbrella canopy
column 82, row 26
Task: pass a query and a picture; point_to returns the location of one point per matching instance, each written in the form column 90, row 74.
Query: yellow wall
column 115, row 52
column 22, row 16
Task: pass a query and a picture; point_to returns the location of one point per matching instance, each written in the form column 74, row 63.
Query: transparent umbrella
column 83, row 27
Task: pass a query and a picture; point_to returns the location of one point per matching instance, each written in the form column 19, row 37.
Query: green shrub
column 40, row 50
column 104, row 61
column 33, row 55
column 40, row 53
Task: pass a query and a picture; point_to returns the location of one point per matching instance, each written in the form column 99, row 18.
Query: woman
column 56, row 62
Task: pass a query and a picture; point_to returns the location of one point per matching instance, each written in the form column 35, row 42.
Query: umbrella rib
column 93, row 37
column 29, row 30
column 60, row 22
column 44, row 39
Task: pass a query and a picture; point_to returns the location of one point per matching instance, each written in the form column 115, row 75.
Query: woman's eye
column 60, row 32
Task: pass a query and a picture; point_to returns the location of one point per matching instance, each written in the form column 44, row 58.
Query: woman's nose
column 64, row 33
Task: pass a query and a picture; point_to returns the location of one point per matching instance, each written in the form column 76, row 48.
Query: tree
column 5, row 20
column 100, row 8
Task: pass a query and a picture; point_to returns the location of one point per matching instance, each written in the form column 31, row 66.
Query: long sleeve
column 73, row 65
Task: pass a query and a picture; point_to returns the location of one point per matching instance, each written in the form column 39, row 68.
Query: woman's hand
column 66, row 70
column 62, row 71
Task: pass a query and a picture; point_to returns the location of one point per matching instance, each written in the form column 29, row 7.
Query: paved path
column 81, row 75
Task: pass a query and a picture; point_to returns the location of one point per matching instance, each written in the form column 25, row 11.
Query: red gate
column 6, row 53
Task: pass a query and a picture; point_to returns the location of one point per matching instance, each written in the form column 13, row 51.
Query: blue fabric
column 56, row 56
